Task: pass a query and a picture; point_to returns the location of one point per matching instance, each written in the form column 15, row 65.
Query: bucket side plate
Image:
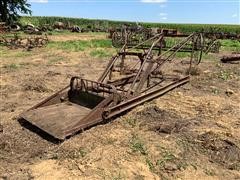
column 56, row 119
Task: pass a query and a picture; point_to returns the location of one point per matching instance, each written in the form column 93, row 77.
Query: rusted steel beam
column 122, row 81
column 135, row 101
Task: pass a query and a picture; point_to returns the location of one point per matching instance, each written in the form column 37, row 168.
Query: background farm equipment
column 172, row 36
column 234, row 58
column 132, row 77
column 222, row 35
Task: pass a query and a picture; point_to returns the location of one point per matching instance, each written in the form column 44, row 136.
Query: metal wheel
column 198, row 46
column 116, row 39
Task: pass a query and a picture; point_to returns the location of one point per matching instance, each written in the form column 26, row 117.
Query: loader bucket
column 67, row 112
column 132, row 77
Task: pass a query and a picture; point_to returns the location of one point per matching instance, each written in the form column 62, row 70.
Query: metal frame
column 141, row 82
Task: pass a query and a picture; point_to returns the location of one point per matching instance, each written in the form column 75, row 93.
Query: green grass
column 183, row 54
column 69, row 45
column 99, row 53
column 101, row 43
column 170, row 41
column 80, row 45
column 82, row 152
column 210, row 56
column 227, row 45
column 11, row 66
column 137, row 145
column 167, row 156
column 150, row 164
column 78, row 153
column 209, row 172
column 230, row 45
column 14, row 66
column 23, row 54
column 215, row 91
column 224, row 75
column 132, row 122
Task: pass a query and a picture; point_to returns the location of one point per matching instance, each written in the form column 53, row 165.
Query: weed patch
column 137, row 145
column 230, row 45
column 167, row 156
column 132, row 122
column 76, row 154
column 101, row 43
column 99, row 53
column 11, row 66
column 224, row 75
column 69, row 45
column 150, row 164
column 80, row 45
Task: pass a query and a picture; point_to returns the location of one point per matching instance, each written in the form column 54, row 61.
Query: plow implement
column 132, row 77
column 210, row 40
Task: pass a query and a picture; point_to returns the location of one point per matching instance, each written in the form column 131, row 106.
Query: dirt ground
column 189, row 133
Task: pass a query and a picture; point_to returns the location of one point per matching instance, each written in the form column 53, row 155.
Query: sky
column 161, row 11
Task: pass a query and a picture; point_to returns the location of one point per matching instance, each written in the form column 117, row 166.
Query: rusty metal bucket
column 69, row 110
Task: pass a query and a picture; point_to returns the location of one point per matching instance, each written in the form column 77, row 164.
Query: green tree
column 10, row 10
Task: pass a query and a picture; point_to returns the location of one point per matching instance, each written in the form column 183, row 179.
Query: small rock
column 207, row 72
column 166, row 128
column 229, row 92
column 170, row 166
column 179, row 93
column 213, row 87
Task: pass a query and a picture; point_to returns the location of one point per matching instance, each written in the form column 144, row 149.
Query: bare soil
column 189, row 133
